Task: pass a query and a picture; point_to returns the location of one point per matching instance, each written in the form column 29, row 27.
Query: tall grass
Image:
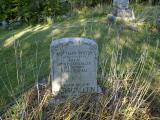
column 124, row 96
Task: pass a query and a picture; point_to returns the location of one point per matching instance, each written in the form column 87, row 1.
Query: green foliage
column 36, row 11
column 31, row 11
column 151, row 2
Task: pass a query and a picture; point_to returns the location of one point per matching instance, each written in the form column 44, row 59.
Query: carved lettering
column 74, row 66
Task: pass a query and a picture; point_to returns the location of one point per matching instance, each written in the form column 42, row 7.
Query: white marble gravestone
column 74, row 66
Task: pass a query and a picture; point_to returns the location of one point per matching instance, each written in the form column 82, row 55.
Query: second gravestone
column 120, row 9
column 122, row 4
column 74, row 66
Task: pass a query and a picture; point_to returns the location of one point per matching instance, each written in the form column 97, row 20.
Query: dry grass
column 123, row 98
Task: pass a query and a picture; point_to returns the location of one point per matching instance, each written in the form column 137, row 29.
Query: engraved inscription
column 74, row 61
column 74, row 66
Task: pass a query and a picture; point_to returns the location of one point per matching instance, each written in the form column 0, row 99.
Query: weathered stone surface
column 120, row 9
column 74, row 66
column 121, row 3
column 125, row 13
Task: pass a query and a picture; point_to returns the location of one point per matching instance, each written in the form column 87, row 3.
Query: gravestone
column 74, row 67
column 122, row 4
column 120, row 9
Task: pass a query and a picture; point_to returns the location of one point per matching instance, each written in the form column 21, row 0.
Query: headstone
column 120, row 9
column 74, row 67
column 122, row 4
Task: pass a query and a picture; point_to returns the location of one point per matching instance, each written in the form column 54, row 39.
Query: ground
column 25, row 51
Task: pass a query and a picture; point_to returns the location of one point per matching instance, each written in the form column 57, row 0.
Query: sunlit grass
column 10, row 41
column 13, row 38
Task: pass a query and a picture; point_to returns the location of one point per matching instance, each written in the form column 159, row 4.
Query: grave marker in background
column 74, row 66
column 120, row 9
column 122, row 4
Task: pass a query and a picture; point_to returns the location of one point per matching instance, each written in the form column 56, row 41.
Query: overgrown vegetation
column 122, row 99
column 38, row 11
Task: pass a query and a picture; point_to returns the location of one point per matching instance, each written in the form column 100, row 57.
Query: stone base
column 56, row 100
column 124, row 13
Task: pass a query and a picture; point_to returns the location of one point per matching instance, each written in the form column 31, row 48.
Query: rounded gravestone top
column 73, row 40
